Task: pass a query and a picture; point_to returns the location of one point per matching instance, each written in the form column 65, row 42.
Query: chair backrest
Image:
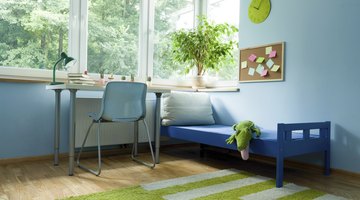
column 124, row 101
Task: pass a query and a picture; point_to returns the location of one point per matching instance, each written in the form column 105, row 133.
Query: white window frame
column 79, row 38
column 200, row 8
column 44, row 75
column 78, row 41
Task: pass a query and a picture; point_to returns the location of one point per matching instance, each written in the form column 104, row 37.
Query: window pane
column 170, row 15
column 226, row 11
column 33, row 33
column 113, row 36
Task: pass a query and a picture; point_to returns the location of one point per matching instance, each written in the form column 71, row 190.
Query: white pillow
column 186, row 108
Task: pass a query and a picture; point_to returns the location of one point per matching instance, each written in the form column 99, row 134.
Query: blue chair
column 121, row 102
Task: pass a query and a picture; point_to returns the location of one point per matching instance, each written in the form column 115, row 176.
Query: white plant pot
column 198, row 82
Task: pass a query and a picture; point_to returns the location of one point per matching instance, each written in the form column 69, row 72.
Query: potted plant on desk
column 207, row 47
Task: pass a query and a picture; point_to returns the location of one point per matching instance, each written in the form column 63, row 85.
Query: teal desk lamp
column 66, row 59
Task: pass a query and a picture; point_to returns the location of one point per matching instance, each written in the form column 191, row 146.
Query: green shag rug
column 223, row 184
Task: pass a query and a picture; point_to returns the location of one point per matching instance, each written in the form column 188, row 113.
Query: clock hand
column 257, row 4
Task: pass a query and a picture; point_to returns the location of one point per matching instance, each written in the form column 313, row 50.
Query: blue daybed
column 288, row 140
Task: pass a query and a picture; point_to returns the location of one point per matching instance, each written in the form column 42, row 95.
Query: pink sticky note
column 264, row 73
column 252, row 57
column 272, row 54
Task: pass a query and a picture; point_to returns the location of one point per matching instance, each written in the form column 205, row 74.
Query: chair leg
column 98, row 170
column 151, row 165
column 83, row 144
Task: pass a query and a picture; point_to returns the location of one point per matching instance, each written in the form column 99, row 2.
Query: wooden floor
column 42, row 180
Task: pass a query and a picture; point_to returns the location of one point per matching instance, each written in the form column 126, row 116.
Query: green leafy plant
column 208, row 46
column 102, row 71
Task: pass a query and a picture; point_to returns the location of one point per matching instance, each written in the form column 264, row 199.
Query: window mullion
column 145, row 67
column 200, row 9
column 74, row 34
column 83, row 26
column 151, row 28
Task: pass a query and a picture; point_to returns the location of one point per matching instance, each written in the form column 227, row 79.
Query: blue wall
column 321, row 83
column 27, row 120
column 321, row 73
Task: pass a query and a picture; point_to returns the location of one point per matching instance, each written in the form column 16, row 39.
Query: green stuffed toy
column 243, row 136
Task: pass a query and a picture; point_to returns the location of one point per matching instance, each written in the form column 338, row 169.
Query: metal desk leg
column 157, row 127
column 72, row 131
column 57, row 126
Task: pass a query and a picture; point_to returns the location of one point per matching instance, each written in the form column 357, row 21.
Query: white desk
column 73, row 88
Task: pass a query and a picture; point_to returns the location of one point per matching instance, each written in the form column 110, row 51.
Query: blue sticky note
column 269, row 63
column 251, row 71
column 260, row 69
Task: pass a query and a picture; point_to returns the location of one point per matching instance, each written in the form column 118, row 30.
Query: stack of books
column 80, row 78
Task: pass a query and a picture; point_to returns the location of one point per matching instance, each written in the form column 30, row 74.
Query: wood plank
column 41, row 180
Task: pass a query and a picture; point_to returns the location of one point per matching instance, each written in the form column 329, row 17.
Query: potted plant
column 208, row 47
column 102, row 76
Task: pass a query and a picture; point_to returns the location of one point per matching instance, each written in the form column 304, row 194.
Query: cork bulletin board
column 262, row 63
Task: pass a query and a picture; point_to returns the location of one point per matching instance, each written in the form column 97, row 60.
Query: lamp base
column 56, row 83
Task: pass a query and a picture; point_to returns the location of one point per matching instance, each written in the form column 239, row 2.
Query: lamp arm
column 54, row 68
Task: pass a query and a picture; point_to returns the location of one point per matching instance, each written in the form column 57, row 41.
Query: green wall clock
column 259, row 10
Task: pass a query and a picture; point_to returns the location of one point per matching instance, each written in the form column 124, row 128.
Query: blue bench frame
column 289, row 140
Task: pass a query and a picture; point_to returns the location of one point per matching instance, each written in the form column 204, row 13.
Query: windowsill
column 44, row 76
column 189, row 89
column 98, row 94
column 174, row 88
column 220, row 89
column 26, row 75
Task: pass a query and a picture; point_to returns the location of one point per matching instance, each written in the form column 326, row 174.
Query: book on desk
column 81, row 79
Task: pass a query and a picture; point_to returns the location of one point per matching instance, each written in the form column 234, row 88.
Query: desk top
column 155, row 89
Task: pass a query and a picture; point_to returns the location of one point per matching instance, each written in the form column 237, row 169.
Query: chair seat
column 96, row 117
column 125, row 119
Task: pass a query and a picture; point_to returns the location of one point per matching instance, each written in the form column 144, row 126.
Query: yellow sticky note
column 260, row 60
column 268, row 50
column 243, row 64
column 275, row 68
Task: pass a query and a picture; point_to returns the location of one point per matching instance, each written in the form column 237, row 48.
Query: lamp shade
column 66, row 59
